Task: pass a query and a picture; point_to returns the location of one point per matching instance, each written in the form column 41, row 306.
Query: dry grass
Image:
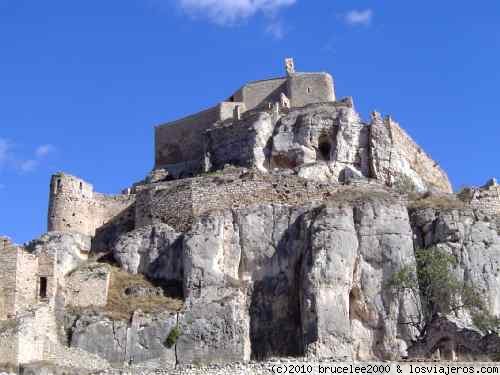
column 441, row 202
column 121, row 306
column 361, row 194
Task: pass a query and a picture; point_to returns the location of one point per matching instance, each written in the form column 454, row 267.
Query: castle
column 292, row 123
column 286, row 140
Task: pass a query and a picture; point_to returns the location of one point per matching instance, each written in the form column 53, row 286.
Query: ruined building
column 277, row 216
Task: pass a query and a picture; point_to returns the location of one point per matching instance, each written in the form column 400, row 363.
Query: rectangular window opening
column 43, row 287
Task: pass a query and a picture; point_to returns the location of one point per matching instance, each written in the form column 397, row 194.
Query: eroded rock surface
column 309, row 280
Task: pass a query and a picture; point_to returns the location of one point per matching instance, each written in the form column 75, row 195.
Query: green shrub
column 172, row 337
column 436, row 290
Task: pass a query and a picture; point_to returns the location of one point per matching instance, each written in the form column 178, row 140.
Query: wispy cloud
column 359, row 17
column 11, row 159
column 230, row 12
column 44, row 150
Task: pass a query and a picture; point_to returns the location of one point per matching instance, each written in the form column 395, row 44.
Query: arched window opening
column 58, row 186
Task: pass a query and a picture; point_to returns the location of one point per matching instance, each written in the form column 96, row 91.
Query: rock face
column 142, row 340
column 323, row 142
column 472, row 238
column 278, row 280
column 69, row 249
column 153, row 250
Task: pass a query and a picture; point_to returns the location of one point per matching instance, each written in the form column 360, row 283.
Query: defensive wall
column 176, row 203
column 179, row 144
column 75, row 207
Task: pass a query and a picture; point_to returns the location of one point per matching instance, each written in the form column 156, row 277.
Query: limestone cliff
column 308, row 280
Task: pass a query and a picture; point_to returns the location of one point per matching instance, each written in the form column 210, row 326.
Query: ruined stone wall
column 177, row 202
column 75, row 207
column 88, row 286
column 486, row 198
column 26, row 282
column 8, row 268
column 18, row 281
column 169, row 202
column 46, row 269
column 420, row 162
column 308, row 88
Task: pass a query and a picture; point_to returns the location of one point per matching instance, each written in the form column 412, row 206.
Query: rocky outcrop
column 472, row 238
column 140, row 341
column 153, row 250
column 308, row 280
column 451, row 339
column 69, row 249
column 323, row 142
column 314, row 279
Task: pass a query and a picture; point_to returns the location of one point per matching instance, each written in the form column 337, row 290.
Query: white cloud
column 44, row 150
column 229, row 12
column 11, row 160
column 359, row 17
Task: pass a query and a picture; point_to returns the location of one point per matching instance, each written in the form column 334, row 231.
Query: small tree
column 435, row 289
column 172, row 337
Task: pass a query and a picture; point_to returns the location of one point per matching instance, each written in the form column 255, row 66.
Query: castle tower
column 69, row 205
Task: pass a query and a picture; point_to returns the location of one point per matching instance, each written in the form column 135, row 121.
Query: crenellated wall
column 75, row 207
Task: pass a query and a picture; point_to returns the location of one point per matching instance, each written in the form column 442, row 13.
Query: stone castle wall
column 75, row 207
column 26, row 280
column 177, row 202
column 420, row 162
column 486, row 198
column 179, row 145
column 308, row 88
column 261, row 93
column 8, row 267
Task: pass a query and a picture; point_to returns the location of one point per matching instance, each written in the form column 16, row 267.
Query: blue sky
column 82, row 83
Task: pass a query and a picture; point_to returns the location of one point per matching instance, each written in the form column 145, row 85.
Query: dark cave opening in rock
column 325, row 148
